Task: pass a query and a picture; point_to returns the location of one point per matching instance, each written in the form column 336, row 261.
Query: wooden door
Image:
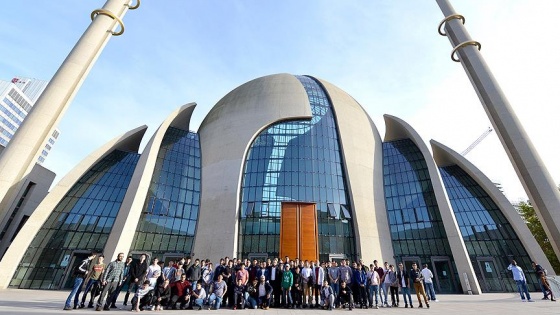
column 298, row 232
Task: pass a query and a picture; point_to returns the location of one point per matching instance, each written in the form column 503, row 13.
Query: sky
column 387, row 54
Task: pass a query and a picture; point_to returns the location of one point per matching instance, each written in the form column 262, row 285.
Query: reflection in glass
column 485, row 230
column 415, row 223
column 89, row 206
column 296, row 161
column 173, row 200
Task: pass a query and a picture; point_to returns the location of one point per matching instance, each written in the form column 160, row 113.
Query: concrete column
column 530, row 169
column 19, row 157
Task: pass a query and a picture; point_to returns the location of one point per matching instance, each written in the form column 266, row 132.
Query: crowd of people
column 240, row 284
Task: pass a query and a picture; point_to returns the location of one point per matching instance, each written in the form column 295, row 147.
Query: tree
column 528, row 214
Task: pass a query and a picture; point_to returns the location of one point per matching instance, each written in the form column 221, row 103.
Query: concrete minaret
column 532, row 172
column 19, row 157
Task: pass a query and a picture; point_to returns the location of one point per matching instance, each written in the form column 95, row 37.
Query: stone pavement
column 15, row 301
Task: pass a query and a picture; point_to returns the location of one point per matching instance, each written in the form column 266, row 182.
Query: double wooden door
column 298, row 231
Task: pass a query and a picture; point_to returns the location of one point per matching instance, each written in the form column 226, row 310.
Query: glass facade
column 417, row 230
column 170, row 214
column 81, row 222
column 490, row 240
column 297, row 161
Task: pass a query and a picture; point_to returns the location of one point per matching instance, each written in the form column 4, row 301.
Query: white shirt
column 427, row 274
column 152, row 269
column 306, row 272
column 262, row 290
column 272, row 273
column 374, row 277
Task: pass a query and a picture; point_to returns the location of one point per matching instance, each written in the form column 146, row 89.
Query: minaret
column 534, row 176
column 19, row 157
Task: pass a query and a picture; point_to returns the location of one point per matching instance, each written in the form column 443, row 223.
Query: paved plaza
column 15, row 301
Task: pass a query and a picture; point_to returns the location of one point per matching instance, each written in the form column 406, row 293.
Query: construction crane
column 477, row 141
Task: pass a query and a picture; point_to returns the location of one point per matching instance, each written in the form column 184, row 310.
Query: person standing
column 333, row 275
column 80, row 273
column 520, row 280
column 111, row 279
column 404, row 282
column 94, row 275
column 287, row 282
column 374, row 281
column 318, row 278
column 297, row 288
column 275, row 275
column 381, row 272
column 545, row 286
column 359, row 279
column 126, row 271
column 194, row 272
column 154, row 271
column 429, row 283
column 138, row 270
column 416, row 279
column 307, row 276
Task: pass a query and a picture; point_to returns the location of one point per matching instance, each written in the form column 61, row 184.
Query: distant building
column 17, row 98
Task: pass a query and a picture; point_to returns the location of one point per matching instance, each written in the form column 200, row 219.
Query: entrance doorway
column 298, row 231
column 72, row 262
column 491, row 279
column 443, row 274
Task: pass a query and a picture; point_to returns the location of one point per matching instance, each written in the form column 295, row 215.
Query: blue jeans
column 218, row 299
column 373, row 290
column 75, row 293
column 251, row 302
column 89, row 285
column 199, row 302
column 381, row 293
column 430, row 292
column 522, row 287
column 406, row 292
column 386, row 287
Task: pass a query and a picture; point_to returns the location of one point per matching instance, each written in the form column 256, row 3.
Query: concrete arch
column 444, row 156
column 397, row 129
column 123, row 231
column 362, row 157
column 130, row 141
column 225, row 137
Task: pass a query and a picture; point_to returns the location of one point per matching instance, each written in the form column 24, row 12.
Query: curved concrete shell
column 123, row 230
column 362, row 154
column 397, row 129
column 129, row 141
column 444, row 156
column 225, row 136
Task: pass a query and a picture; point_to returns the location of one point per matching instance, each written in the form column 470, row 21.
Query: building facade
column 281, row 166
column 17, row 98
